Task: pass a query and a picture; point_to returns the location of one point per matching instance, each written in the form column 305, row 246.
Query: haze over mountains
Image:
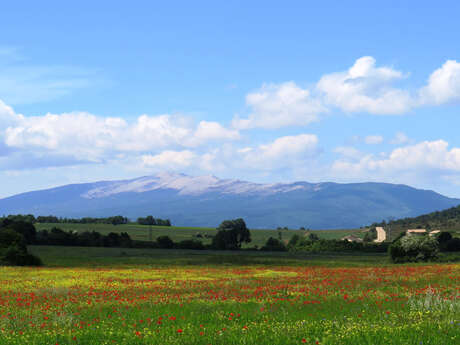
column 207, row 200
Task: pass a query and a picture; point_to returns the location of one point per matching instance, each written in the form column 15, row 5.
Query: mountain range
column 208, row 200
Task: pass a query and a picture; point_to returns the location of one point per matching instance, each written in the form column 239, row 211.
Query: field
column 141, row 232
column 133, row 296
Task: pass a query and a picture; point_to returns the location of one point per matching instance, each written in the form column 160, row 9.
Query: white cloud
column 153, row 132
column 280, row 105
column 415, row 164
column 373, row 139
column 366, row 88
column 283, row 151
column 289, row 145
column 7, row 116
column 170, row 159
column 87, row 137
column 419, row 159
column 363, row 88
column 207, row 131
column 443, row 85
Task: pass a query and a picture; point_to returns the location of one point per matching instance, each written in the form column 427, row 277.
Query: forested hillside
column 448, row 219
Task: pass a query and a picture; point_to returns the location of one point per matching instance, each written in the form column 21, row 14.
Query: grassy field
column 54, row 256
column 102, row 296
column 141, row 232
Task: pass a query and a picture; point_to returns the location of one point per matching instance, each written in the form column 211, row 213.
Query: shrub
column 397, row 253
column 453, row 245
column 16, row 256
column 274, row 245
column 165, row 242
column 443, row 238
column 414, row 248
column 191, row 244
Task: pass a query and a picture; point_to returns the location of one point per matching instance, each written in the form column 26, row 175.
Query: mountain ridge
column 207, row 200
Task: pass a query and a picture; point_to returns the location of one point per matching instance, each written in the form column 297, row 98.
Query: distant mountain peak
column 189, row 185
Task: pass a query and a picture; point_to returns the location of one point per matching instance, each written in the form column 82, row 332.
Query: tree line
column 150, row 220
column 16, row 233
column 114, row 220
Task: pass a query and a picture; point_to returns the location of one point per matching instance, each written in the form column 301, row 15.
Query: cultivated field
column 141, row 232
column 116, row 296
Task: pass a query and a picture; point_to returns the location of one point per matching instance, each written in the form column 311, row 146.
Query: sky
column 265, row 91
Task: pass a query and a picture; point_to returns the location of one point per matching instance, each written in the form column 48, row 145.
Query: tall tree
column 231, row 234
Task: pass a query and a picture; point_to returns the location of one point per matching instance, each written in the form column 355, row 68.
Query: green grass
column 57, row 256
column 141, row 232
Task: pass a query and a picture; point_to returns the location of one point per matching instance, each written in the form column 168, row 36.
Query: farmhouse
column 352, row 238
column 416, row 231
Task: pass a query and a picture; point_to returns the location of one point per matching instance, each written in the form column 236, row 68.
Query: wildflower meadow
column 410, row 304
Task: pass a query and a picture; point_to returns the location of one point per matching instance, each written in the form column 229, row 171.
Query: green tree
column 294, row 241
column 231, row 234
column 26, row 229
column 13, row 250
column 9, row 237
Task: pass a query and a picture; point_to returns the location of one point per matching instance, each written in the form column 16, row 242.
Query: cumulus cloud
column 287, row 151
column 283, row 151
column 366, row 88
column 419, row 159
column 207, row 131
column 443, row 85
column 7, row 116
column 170, row 159
column 280, row 105
column 87, row 137
column 363, row 88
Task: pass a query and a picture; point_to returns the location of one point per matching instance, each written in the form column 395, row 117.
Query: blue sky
column 265, row 91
